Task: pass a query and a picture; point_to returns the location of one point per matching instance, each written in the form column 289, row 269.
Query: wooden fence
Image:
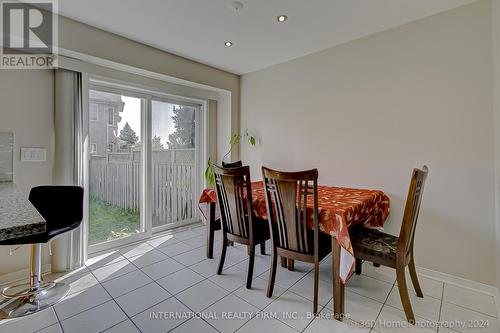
column 174, row 186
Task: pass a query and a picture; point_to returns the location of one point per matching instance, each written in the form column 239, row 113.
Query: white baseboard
column 13, row 277
column 458, row 281
column 497, row 302
column 464, row 283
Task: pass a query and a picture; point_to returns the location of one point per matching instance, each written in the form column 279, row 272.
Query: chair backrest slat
column 287, row 197
column 234, row 198
column 412, row 209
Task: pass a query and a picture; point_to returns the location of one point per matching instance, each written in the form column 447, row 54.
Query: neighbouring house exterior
column 104, row 116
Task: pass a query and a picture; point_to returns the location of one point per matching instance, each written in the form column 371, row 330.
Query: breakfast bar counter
column 18, row 217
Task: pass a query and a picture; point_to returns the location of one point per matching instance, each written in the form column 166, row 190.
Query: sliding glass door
column 143, row 164
column 115, row 167
column 174, row 162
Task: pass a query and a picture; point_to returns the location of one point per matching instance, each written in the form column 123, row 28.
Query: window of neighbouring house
column 111, row 116
column 93, row 114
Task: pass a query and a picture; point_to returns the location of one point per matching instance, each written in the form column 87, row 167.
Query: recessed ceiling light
column 228, row 44
column 282, row 18
column 236, row 6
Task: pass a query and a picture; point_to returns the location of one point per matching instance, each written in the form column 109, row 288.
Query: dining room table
column 339, row 208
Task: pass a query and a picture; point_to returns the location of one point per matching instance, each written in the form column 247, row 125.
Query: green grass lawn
column 109, row 222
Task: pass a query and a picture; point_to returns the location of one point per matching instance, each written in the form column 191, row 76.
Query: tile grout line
column 171, row 296
column 251, row 318
column 371, row 298
column 131, row 290
column 185, row 322
column 229, row 293
column 96, row 305
column 316, row 317
column 121, row 322
column 174, row 296
column 382, row 307
column 192, row 318
column 113, row 299
column 205, row 278
column 291, row 291
column 441, row 305
column 57, row 317
column 113, row 278
column 44, row 327
column 259, row 309
column 472, row 310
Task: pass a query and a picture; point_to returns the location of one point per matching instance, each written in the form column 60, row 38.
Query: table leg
column 338, row 286
column 211, row 230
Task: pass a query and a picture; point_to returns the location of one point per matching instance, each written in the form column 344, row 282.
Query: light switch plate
column 33, row 154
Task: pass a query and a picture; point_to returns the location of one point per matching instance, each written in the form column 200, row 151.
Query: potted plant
column 234, row 140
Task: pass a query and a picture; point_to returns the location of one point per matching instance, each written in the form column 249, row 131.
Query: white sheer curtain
column 70, row 250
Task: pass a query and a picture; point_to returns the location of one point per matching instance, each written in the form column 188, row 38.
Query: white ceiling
column 197, row 29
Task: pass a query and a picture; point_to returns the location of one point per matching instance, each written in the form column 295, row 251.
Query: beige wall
column 496, row 109
column 27, row 107
column 365, row 113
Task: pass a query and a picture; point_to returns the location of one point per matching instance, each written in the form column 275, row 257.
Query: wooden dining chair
column 239, row 225
column 391, row 251
column 287, row 198
column 214, row 225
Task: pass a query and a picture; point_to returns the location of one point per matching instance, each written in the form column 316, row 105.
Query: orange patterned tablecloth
column 339, row 208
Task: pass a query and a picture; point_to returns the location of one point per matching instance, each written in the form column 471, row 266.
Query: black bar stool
column 62, row 209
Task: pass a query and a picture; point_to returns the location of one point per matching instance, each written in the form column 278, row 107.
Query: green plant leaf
column 235, row 139
column 210, row 173
column 252, row 140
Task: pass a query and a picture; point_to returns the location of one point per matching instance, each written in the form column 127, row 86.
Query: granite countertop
column 18, row 217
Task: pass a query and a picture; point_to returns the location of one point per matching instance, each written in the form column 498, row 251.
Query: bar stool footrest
column 26, row 291
column 35, row 301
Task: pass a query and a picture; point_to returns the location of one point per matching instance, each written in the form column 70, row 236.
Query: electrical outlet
column 33, row 154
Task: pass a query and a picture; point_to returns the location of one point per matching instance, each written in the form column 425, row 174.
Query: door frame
column 146, row 193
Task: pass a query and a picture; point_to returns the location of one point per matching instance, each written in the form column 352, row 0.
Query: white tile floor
column 118, row 291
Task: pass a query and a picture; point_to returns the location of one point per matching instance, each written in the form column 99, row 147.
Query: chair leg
column 403, row 292
column 291, row 265
column 414, row 278
column 316, row 287
column 211, row 232
column 263, row 248
column 283, row 262
column 222, row 255
column 272, row 272
column 251, row 261
column 359, row 265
